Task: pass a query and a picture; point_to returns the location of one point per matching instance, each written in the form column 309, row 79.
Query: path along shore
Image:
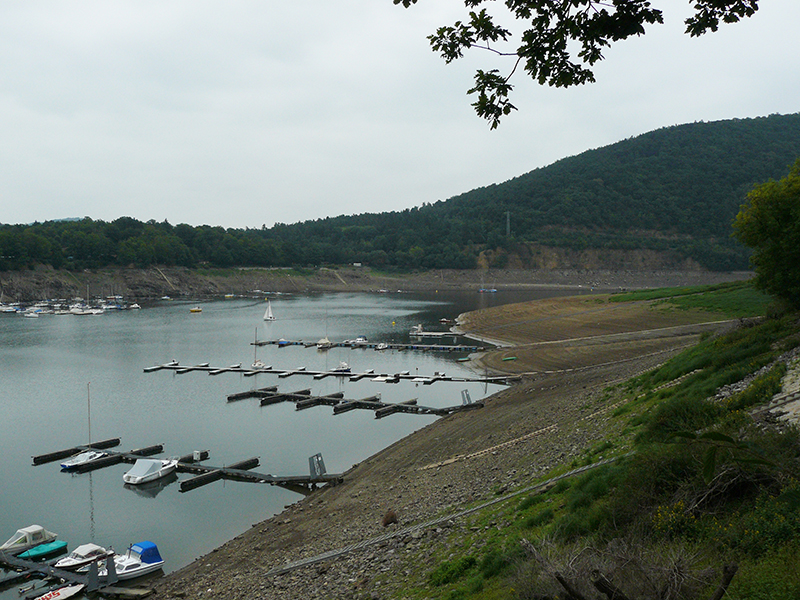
column 568, row 350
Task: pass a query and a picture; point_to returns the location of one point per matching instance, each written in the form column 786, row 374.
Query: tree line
column 674, row 190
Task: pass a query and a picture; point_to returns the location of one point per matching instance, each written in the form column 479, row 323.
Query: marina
column 48, row 362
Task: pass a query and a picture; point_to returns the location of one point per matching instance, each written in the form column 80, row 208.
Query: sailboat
column 89, row 455
column 268, row 316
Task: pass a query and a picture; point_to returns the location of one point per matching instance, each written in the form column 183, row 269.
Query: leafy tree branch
column 563, row 40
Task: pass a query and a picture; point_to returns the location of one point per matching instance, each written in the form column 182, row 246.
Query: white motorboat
column 342, row 368
column 65, row 591
column 260, row 364
column 147, row 469
column 79, row 459
column 324, row 344
column 82, row 556
column 140, row 559
column 268, row 316
column 26, row 538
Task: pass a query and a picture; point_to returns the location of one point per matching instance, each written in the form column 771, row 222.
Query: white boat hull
column 167, row 467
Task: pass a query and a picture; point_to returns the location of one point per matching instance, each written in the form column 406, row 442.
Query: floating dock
column 204, row 474
column 303, row 400
column 41, row 570
column 382, row 345
column 179, row 369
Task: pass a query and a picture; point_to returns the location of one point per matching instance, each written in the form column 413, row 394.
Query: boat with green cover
column 44, row 550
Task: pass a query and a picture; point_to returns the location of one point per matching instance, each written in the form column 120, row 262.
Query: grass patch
column 735, row 299
column 452, row 570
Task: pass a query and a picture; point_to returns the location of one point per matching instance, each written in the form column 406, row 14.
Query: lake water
column 46, row 364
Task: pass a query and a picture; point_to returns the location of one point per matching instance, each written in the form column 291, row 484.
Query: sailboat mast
column 89, row 410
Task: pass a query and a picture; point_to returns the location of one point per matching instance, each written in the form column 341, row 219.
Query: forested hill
column 674, row 190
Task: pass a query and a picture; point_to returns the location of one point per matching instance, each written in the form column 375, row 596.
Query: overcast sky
column 247, row 113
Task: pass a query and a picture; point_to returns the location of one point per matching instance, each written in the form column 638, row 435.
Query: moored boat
column 26, row 538
column 146, row 469
column 44, row 550
column 140, row 559
column 65, row 591
column 81, row 459
column 83, row 555
column 195, row 309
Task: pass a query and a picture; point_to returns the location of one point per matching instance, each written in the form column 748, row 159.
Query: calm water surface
column 48, row 362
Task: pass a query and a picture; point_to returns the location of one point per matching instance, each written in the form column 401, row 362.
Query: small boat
column 134, row 306
column 140, row 559
column 324, row 344
column 147, row 469
column 66, row 591
column 83, row 555
column 416, row 330
column 44, row 550
column 26, row 538
column 382, row 346
column 195, row 309
column 342, row 368
column 260, row 364
column 80, row 459
column 268, row 316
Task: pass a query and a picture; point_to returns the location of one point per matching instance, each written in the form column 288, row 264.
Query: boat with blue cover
column 140, row 559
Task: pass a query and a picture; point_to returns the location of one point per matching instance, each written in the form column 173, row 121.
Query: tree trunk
column 728, row 571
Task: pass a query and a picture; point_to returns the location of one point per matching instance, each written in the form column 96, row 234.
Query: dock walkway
column 382, row 345
column 180, row 369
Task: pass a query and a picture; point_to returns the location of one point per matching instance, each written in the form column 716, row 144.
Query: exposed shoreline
column 522, row 433
column 153, row 283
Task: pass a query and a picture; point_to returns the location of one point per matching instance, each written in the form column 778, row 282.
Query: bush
column 451, row 571
column 541, row 518
column 773, row 577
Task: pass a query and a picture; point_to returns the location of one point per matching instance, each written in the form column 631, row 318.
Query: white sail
column 268, row 316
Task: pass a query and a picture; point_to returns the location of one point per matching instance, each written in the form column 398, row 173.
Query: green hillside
column 674, row 190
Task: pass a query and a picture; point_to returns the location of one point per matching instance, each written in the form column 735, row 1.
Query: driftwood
column 604, row 586
column 728, row 571
column 571, row 591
